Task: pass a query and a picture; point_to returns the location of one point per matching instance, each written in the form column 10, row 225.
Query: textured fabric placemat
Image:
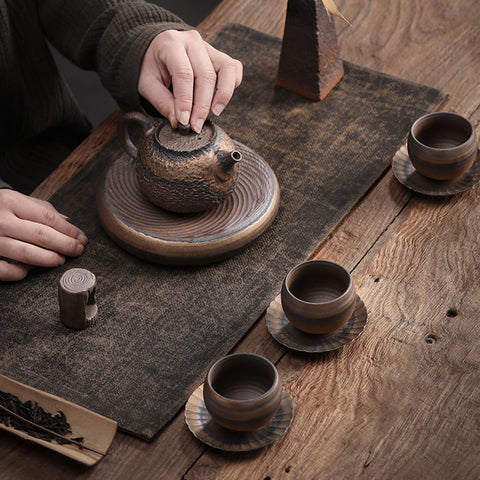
column 160, row 328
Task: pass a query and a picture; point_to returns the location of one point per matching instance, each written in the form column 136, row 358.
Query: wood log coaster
column 76, row 297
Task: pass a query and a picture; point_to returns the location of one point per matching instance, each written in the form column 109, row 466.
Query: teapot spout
column 225, row 162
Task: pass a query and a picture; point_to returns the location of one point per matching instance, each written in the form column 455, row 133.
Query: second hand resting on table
column 34, row 233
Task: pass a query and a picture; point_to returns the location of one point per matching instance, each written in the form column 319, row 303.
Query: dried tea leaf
column 31, row 418
column 34, row 420
column 331, row 8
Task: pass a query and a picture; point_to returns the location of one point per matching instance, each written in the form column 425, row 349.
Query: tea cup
column 442, row 145
column 318, row 296
column 242, row 391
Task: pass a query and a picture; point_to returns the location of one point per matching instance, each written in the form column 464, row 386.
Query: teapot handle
column 123, row 127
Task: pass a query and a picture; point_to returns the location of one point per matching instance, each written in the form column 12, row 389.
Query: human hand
column 202, row 77
column 33, row 233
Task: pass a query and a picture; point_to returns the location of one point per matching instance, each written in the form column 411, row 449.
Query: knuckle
column 70, row 230
column 202, row 111
column 29, row 254
column 183, row 102
column 231, row 66
column 193, row 34
column 208, row 76
column 49, row 217
column 184, row 73
column 168, row 35
column 236, row 68
column 237, row 65
column 40, row 235
column 6, row 196
column 25, row 254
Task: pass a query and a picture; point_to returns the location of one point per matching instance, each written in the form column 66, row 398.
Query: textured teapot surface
column 182, row 171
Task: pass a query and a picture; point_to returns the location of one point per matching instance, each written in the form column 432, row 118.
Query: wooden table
column 403, row 401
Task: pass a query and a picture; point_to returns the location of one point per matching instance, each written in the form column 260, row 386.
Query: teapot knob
column 224, row 163
column 184, row 129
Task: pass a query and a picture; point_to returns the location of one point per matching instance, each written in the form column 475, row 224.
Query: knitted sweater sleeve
column 109, row 36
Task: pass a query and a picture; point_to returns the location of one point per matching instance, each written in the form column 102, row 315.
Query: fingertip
column 173, row 120
column 239, row 74
column 197, row 125
column 82, row 238
column 184, row 117
column 218, row 109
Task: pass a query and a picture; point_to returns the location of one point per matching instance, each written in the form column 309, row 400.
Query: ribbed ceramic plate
column 98, row 431
column 207, row 431
column 406, row 174
column 154, row 234
column 286, row 334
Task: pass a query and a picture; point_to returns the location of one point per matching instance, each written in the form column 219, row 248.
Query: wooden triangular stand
column 310, row 63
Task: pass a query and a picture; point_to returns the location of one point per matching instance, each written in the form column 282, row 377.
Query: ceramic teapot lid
column 183, row 139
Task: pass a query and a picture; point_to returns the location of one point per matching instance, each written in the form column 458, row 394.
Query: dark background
column 94, row 100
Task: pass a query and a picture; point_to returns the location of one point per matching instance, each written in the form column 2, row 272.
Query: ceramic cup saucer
column 286, row 334
column 207, row 431
column 406, row 174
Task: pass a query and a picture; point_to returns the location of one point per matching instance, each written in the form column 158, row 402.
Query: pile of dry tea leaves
column 31, row 418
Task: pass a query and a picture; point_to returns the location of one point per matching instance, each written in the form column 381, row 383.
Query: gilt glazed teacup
column 442, row 145
column 318, row 296
column 242, row 391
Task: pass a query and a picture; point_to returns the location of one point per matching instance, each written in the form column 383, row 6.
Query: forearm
column 109, row 36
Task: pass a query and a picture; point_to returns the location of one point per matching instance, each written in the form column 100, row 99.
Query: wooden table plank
column 404, row 407
column 79, row 157
column 388, row 421
column 402, row 401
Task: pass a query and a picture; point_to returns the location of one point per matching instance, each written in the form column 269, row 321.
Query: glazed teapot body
column 178, row 169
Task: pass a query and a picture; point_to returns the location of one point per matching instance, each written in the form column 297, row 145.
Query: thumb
column 159, row 96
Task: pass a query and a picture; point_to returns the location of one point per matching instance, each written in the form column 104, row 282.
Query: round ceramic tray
column 207, row 431
column 286, row 334
column 160, row 236
column 406, row 174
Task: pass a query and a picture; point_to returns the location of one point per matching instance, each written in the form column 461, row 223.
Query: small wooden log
column 310, row 63
column 76, row 297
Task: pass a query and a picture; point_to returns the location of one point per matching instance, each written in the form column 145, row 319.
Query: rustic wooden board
column 97, row 431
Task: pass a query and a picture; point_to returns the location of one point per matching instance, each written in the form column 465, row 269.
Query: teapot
column 177, row 169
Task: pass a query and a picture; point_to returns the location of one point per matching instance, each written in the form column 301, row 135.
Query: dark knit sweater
column 40, row 122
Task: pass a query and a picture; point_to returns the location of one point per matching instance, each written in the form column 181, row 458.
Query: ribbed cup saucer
column 207, row 431
column 286, row 334
column 406, row 174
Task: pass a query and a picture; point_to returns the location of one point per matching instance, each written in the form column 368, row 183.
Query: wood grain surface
column 403, row 400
